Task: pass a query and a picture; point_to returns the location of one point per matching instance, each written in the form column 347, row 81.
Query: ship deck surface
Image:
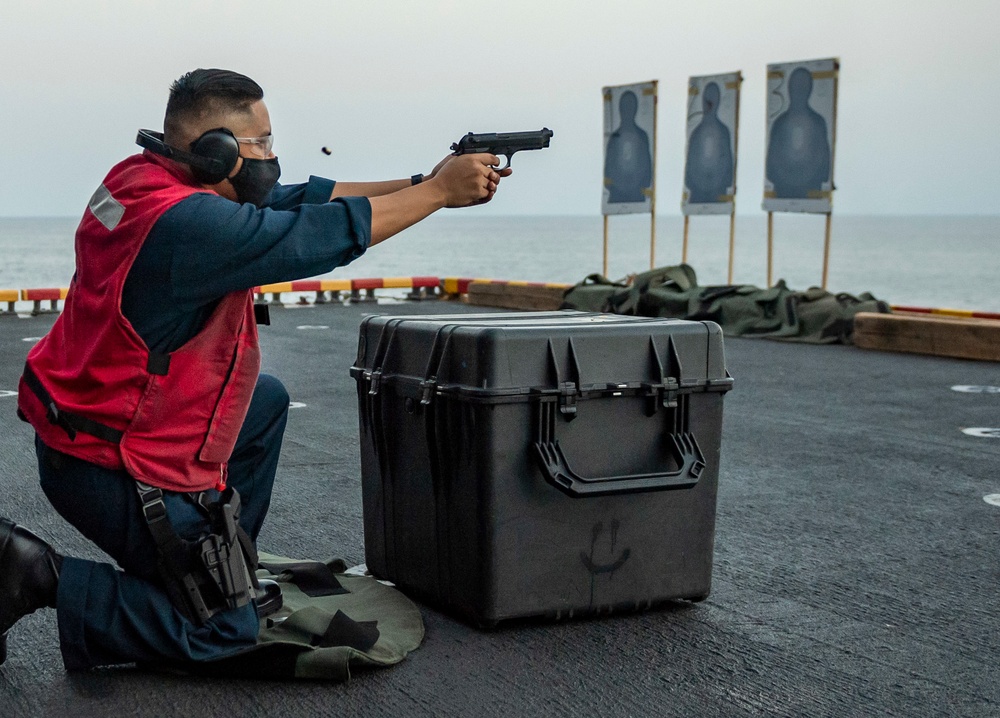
column 856, row 565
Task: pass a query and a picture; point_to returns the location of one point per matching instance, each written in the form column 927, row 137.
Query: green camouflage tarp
column 330, row 622
column 814, row 316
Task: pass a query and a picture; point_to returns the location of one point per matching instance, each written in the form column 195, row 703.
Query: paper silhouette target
column 801, row 136
column 629, row 148
column 710, row 159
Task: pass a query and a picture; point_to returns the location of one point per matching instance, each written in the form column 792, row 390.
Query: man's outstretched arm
column 458, row 181
column 369, row 189
column 380, row 189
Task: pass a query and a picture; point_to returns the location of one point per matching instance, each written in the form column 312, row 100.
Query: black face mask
column 255, row 180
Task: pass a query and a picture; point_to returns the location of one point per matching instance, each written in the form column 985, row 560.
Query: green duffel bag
column 661, row 292
column 593, row 294
column 748, row 310
column 826, row 318
column 597, row 293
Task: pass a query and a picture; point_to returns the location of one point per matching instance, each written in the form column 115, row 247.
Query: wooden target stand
column 652, row 237
column 770, row 249
column 732, row 241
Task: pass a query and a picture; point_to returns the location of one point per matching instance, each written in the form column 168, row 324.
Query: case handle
column 556, row 468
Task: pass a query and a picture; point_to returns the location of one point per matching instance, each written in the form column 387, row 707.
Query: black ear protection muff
column 212, row 157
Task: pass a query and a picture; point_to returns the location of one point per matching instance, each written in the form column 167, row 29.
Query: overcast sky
column 387, row 86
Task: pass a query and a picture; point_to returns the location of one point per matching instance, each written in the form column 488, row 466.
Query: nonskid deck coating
column 856, row 566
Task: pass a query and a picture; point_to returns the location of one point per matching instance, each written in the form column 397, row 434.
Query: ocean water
column 921, row 261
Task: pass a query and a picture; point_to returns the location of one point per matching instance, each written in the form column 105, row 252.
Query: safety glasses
column 261, row 146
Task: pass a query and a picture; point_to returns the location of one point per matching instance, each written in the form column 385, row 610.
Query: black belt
column 71, row 423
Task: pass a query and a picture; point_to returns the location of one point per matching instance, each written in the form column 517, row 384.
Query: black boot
column 29, row 576
column 269, row 598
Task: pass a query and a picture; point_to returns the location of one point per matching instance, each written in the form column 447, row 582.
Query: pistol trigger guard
column 506, row 157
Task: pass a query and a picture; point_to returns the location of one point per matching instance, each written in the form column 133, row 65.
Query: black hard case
column 545, row 463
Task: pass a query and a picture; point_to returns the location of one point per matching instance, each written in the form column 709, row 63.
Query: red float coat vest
column 176, row 416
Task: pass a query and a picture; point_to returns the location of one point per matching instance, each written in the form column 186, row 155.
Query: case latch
column 427, row 390
column 670, row 387
column 567, row 400
column 658, row 395
column 374, row 380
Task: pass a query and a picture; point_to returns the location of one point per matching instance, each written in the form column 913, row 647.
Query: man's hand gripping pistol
column 502, row 143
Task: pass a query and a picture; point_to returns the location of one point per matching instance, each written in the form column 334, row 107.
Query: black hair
column 201, row 90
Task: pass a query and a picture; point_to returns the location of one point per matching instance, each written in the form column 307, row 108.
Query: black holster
column 211, row 574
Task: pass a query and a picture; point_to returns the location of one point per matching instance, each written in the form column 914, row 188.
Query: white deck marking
column 983, row 432
column 7, row 392
column 295, row 405
column 993, row 499
column 973, row 389
column 313, row 326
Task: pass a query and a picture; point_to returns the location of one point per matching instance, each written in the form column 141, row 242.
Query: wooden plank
column 517, row 296
column 922, row 334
